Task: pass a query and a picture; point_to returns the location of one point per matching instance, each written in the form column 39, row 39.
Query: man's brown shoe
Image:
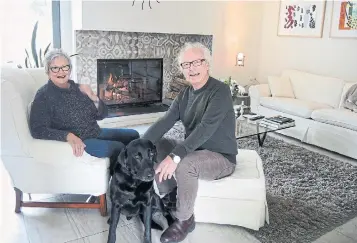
column 178, row 231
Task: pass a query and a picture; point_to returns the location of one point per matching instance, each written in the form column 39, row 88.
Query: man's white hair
column 194, row 45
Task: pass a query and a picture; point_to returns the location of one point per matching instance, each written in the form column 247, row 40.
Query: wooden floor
column 39, row 225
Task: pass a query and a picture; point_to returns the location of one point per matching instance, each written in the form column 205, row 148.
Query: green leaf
column 27, row 54
column 26, row 63
column 40, row 55
column 33, row 44
column 46, row 49
column 28, row 60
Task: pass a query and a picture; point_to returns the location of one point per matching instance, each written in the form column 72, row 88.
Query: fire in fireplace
column 125, row 82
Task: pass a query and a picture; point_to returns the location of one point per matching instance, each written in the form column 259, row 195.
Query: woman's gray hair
column 51, row 55
column 194, row 45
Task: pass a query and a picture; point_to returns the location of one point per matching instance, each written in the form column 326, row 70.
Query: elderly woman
column 65, row 111
column 209, row 149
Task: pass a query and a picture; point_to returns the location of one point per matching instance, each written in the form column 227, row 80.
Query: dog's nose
column 150, row 175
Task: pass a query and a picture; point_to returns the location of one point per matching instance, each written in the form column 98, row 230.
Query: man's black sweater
column 56, row 111
column 208, row 117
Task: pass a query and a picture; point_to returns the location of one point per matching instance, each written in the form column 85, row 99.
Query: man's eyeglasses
column 195, row 63
column 64, row 68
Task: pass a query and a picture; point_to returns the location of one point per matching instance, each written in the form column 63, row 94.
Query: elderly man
column 209, row 149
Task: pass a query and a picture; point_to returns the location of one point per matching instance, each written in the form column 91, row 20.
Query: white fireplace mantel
column 130, row 121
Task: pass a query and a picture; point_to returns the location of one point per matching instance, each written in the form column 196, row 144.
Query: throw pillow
column 350, row 98
column 281, row 87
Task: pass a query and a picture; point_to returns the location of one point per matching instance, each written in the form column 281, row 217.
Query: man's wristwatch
column 175, row 158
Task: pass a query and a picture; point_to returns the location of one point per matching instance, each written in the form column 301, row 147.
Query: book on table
column 277, row 122
column 279, row 119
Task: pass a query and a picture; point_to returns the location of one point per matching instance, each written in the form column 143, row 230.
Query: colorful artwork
column 301, row 18
column 348, row 16
column 344, row 19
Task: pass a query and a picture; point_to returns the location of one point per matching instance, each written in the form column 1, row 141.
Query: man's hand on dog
column 166, row 168
column 76, row 143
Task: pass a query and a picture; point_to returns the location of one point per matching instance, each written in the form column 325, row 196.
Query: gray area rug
column 308, row 194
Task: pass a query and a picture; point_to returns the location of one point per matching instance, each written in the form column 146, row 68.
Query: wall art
column 301, row 18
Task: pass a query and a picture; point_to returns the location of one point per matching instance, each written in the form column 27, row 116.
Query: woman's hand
column 76, row 144
column 166, row 168
column 86, row 89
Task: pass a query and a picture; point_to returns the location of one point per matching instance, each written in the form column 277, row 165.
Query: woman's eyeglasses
column 64, row 68
column 195, row 63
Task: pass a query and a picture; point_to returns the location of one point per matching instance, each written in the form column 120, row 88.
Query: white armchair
column 43, row 166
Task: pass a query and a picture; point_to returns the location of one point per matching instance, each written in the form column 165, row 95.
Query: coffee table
column 246, row 129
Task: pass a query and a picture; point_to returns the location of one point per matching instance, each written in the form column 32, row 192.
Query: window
column 19, row 19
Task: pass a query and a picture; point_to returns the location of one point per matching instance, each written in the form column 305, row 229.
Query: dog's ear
column 154, row 150
column 123, row 157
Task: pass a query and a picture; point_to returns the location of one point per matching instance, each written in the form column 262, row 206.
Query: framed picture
column 301, row 18
column 344, row 19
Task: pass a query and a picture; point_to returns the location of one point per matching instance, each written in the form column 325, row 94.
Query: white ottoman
column 239, row 199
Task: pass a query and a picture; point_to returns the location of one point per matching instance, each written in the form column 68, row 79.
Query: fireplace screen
column 130, row 81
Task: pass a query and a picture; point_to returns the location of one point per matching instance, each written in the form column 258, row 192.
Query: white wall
column 240, row 32
column 235, row 26
column 325, row 56
column 192, row 17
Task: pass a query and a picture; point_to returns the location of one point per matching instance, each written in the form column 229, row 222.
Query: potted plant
column 237, row 91
column 36, row 59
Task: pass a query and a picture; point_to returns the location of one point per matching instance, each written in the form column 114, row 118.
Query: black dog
column 132, row 192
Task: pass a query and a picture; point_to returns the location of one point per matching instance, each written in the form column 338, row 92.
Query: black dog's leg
column 114, row 219
column 147, row 223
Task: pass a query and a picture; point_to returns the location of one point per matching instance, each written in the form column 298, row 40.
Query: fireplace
column 130, row 82
column 119, row 46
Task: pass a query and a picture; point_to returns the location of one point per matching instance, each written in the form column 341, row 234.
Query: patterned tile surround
column 94, row 44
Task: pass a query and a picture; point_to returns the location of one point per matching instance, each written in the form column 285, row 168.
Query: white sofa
column 40, row 166
column 315, row 102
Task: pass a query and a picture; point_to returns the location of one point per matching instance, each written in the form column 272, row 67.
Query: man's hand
column 76, row 144
column 166, row 168
column 86, row 89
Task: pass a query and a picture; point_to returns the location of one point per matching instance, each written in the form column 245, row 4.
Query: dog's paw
column 160, row 219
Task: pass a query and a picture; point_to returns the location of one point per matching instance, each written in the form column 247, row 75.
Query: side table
column 237, row 100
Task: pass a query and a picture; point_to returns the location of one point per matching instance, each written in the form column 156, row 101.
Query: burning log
column 110, row 81
column 108, row 94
